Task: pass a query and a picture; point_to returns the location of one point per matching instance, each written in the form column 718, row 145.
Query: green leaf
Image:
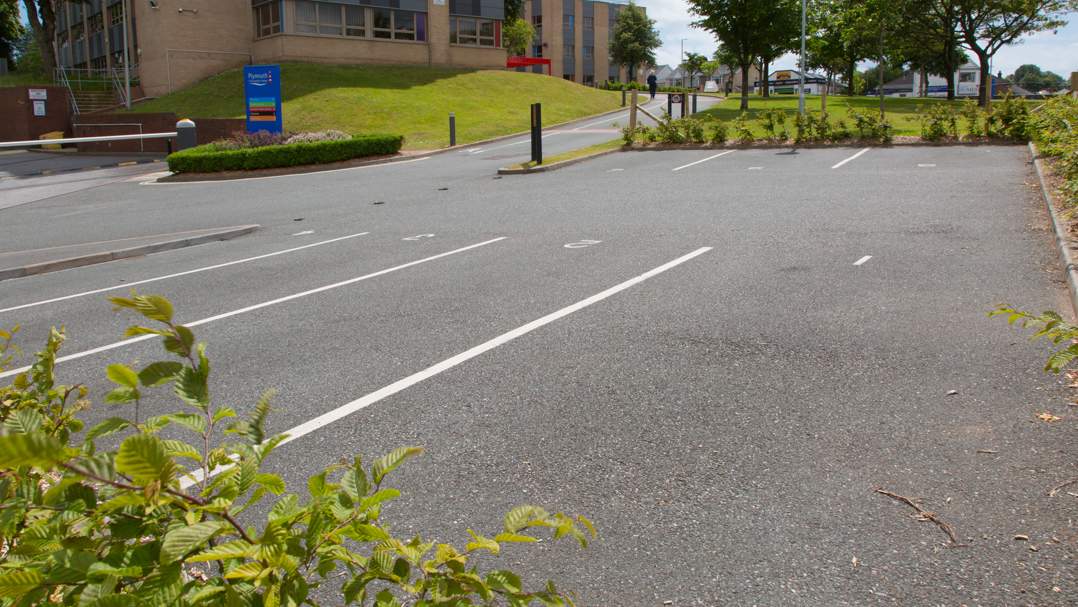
column 229, row 550
column 317, row 484
column 355, row 590
column 143, row 456
column 248, row 472
column 354, row 483
column 377, row 498
column 246, row 571
column 116, row 600
column 366, row 533
column 159, row 373
column 182, row 344
column 35, row 449
column 181, row 540
column 189, row 421
column 70, row 566
column 109, row 426
column 24, row 421
column 482, row 543
column 223, row 412
column 271, row 482
column 122, row 394
column 150, row 306
column 385, row 598
column 123, row 375
column 391, row 461
column 512, row 537
column 179, row 448
column 506, row 581
column 191, row 388
column 18, row 583
column 518, row 518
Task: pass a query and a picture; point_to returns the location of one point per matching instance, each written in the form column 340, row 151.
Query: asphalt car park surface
column 716, row 358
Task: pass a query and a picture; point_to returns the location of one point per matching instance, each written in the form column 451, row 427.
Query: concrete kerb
column 557, row 165
column 103, row 257
column 1065, row 243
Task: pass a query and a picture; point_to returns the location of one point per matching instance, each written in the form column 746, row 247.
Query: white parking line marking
column 520, row 142
column 756, row 168
column 862, row 260
column 704, row 160
column 926, row 165
column 612, row 170
column 263, row 304
column 304, row 232
column 220, row 265
column 368, row 400
column 851, row 158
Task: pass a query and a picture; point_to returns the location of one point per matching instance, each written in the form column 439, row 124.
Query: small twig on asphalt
column 1053, row 492
column 987, row 451
column 924, row 515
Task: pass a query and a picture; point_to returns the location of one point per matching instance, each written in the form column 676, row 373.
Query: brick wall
column 20, row 124
column 101, row 125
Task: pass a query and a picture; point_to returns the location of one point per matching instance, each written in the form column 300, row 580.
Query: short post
column 632, row 112
column 622, row 97
column 537, row 133
column 670, row 105
column 452, row 130
column 185, row 134
column 684, row 104
column 694, row 102
column 168, row 146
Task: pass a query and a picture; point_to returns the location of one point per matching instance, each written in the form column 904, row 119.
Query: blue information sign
column 262, row 91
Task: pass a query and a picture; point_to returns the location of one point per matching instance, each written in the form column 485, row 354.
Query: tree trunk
column 764, row 77
column 851, row 74
column 952, row 66
column 745, row 85
column 983, row 93
column 823, row 98
column 43, row 27
column 879, row 87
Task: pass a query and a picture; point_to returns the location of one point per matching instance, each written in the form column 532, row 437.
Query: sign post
column 262, row 92
column 537, row 133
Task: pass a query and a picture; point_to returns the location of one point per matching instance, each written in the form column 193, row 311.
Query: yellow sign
column 782, row 75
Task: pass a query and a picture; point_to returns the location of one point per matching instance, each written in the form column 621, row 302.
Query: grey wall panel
column 97, row 45
column 589, row 8
column 589, row 67
column 539, row 69
column 568, row 66
column 589, row 38
column 568, row 34
column 537, row 7
column 116, row 38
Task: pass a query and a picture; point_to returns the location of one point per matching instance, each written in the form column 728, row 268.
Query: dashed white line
column 261, row 305
column 851, row 158
column 862, row 261
column 220, row 265
column 368, row 400
column 304, row 232
column 704, row 160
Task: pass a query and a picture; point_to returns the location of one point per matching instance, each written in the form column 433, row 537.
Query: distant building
column 575, row 35
column 967, row 84
column 787, row 82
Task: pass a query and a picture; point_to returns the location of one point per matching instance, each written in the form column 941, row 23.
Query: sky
column 1056, row 53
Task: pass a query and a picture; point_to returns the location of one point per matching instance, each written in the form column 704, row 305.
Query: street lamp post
column 683, row 61
column 127, row 59
column 801, row 97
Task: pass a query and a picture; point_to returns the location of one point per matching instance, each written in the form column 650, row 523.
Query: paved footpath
column 718, row 357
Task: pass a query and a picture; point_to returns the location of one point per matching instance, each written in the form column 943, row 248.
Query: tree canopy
column 634, row 40
column 11, row 31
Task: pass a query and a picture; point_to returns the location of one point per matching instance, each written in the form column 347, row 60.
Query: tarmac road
column 716, row 358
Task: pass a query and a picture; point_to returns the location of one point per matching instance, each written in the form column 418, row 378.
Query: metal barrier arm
column 35, row 142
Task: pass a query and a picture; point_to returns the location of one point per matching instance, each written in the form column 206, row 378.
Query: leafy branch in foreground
column 79, row 526
column 1050, row 324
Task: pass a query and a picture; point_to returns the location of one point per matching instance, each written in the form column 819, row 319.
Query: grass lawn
column 410, row 101
column 591, row 149
column 26, row 80
column 905, row 112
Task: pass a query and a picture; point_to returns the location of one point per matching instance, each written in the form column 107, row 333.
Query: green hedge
column 203, row 159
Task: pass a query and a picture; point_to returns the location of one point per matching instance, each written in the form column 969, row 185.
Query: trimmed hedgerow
column 205, row 159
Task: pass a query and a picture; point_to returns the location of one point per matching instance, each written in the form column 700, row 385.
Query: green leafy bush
column 1050, row 324
column 974, row 118
column 872, row 125
column 206, row 159
column 83, row 526
column 938, row 121
column 719, row 131
column 773, row 121
column 1055, row 127
column 1010, row 118
column 742, row 131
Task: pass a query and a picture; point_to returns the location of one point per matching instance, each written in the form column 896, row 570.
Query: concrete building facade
column 575, row 35
column 177, row 43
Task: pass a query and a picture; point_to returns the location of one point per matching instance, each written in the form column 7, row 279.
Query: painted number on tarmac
column 420, row 236
column 582, row 244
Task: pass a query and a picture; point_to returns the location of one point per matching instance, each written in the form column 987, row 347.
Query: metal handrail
column 118, row 85
column 13, row 144
column 64, row 82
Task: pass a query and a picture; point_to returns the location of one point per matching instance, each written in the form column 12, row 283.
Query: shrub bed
column 210, row 158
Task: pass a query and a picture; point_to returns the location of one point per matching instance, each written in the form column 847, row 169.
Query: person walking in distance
column 653, row 84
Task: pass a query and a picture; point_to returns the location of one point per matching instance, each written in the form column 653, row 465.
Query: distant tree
column 42, row 18
column 827, row 49
column 514, row 9
column 876, row 20
column 693, row 65
column 988, row 25
column 871, row 76
column 517, row 34
column 634, row 40
column 783, row 35
column 1024, row 70
column 743, row 27
column 932, row 37
column 11, row 31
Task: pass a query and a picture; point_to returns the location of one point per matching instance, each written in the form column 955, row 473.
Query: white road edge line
column 520, row 142
column 142, row 282
column 851, row 158
column 246, row 179
column 260, row 306
column 704, row 160
column 862, row 260
column 347, row 409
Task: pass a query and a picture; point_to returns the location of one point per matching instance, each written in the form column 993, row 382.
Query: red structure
column 526, row 61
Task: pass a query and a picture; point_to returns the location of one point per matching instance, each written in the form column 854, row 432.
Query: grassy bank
column 411, row 101
column 570, row 155
column 905, row 112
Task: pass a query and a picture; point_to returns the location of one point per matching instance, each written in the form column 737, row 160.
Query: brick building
column 176, row 43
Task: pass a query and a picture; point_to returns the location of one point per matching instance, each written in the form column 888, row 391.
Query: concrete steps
column 89, row 101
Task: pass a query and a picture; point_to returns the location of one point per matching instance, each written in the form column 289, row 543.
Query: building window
column 568, row 51
column 537, row 21
column 99, row 63
column 587, row 23
column 116, row 14
column 354, row 21
column 589, row 52
column 97, row 23
column 398, row 25
column 77, row 31
column 588, row 80
column 967, row 77
column 318, row 18
column 468, row 30
column 61, row 38
column 567, row 20
column 537, row 51
column 569, row 77
column 268, row 19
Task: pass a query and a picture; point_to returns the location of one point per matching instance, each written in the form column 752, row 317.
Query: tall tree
column 781, row 36
column 826, row 46
column 988, row 25
column 514, row 9
column 634, row 40
column 517, row 34
column 932, row 35
column 693, row 65
column 11, row 31
column 42, row 18
column 742, row 26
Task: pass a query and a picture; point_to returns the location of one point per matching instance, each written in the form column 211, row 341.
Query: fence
column 95, row 79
